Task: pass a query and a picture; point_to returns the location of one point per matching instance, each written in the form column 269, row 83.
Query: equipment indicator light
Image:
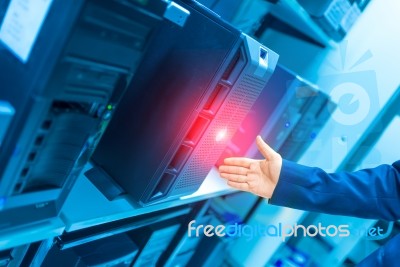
column 221, row 135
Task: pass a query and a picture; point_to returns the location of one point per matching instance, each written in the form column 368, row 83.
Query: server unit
column 190, row 94
column 289, row 114
column 335, row 17
column 140, row 240
column 202, row 250
column 64, row 65
column 117, row 250
column 16, row 256
column 153, row 241
column 183, row 245
column 5, row 257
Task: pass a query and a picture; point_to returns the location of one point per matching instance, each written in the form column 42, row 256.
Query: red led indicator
column 221, row 135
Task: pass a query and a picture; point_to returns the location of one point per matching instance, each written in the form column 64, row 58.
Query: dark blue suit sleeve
column 369, row 193
column 386, row 255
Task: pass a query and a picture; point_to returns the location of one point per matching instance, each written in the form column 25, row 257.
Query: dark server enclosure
column 289, row 114
column 188, row 97
column 137, row 241
column 61, row 95
column 335, row 18
column 116, row 250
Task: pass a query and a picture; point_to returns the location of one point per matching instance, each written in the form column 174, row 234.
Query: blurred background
column 93, row 92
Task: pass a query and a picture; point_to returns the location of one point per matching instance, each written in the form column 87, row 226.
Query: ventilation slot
column 46, row 124
column 39, row 140
column 162, row 186
column 216, row 99
column 197, row 130
column 31, row 156
column 234, row 69
column 18, row 188
column 180, row 158
column 24, row 172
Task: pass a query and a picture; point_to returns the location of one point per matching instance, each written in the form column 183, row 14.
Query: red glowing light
column 221, row 135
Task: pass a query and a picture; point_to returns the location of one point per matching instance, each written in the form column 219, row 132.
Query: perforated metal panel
column 238, row 103
column 227, row 105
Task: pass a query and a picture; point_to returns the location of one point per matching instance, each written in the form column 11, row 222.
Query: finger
column 233, row 169
column 234, row 177
column 240, row 186
column 243, row 162
column 264, row 149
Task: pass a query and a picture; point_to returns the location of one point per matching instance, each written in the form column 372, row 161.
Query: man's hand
column 256, row 176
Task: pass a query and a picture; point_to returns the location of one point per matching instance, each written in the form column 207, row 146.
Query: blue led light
column 287, row 124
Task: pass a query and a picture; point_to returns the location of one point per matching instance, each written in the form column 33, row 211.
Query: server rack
column 191, row 94
column 61, row 92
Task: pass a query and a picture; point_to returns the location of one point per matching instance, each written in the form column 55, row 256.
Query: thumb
column 264, row 149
